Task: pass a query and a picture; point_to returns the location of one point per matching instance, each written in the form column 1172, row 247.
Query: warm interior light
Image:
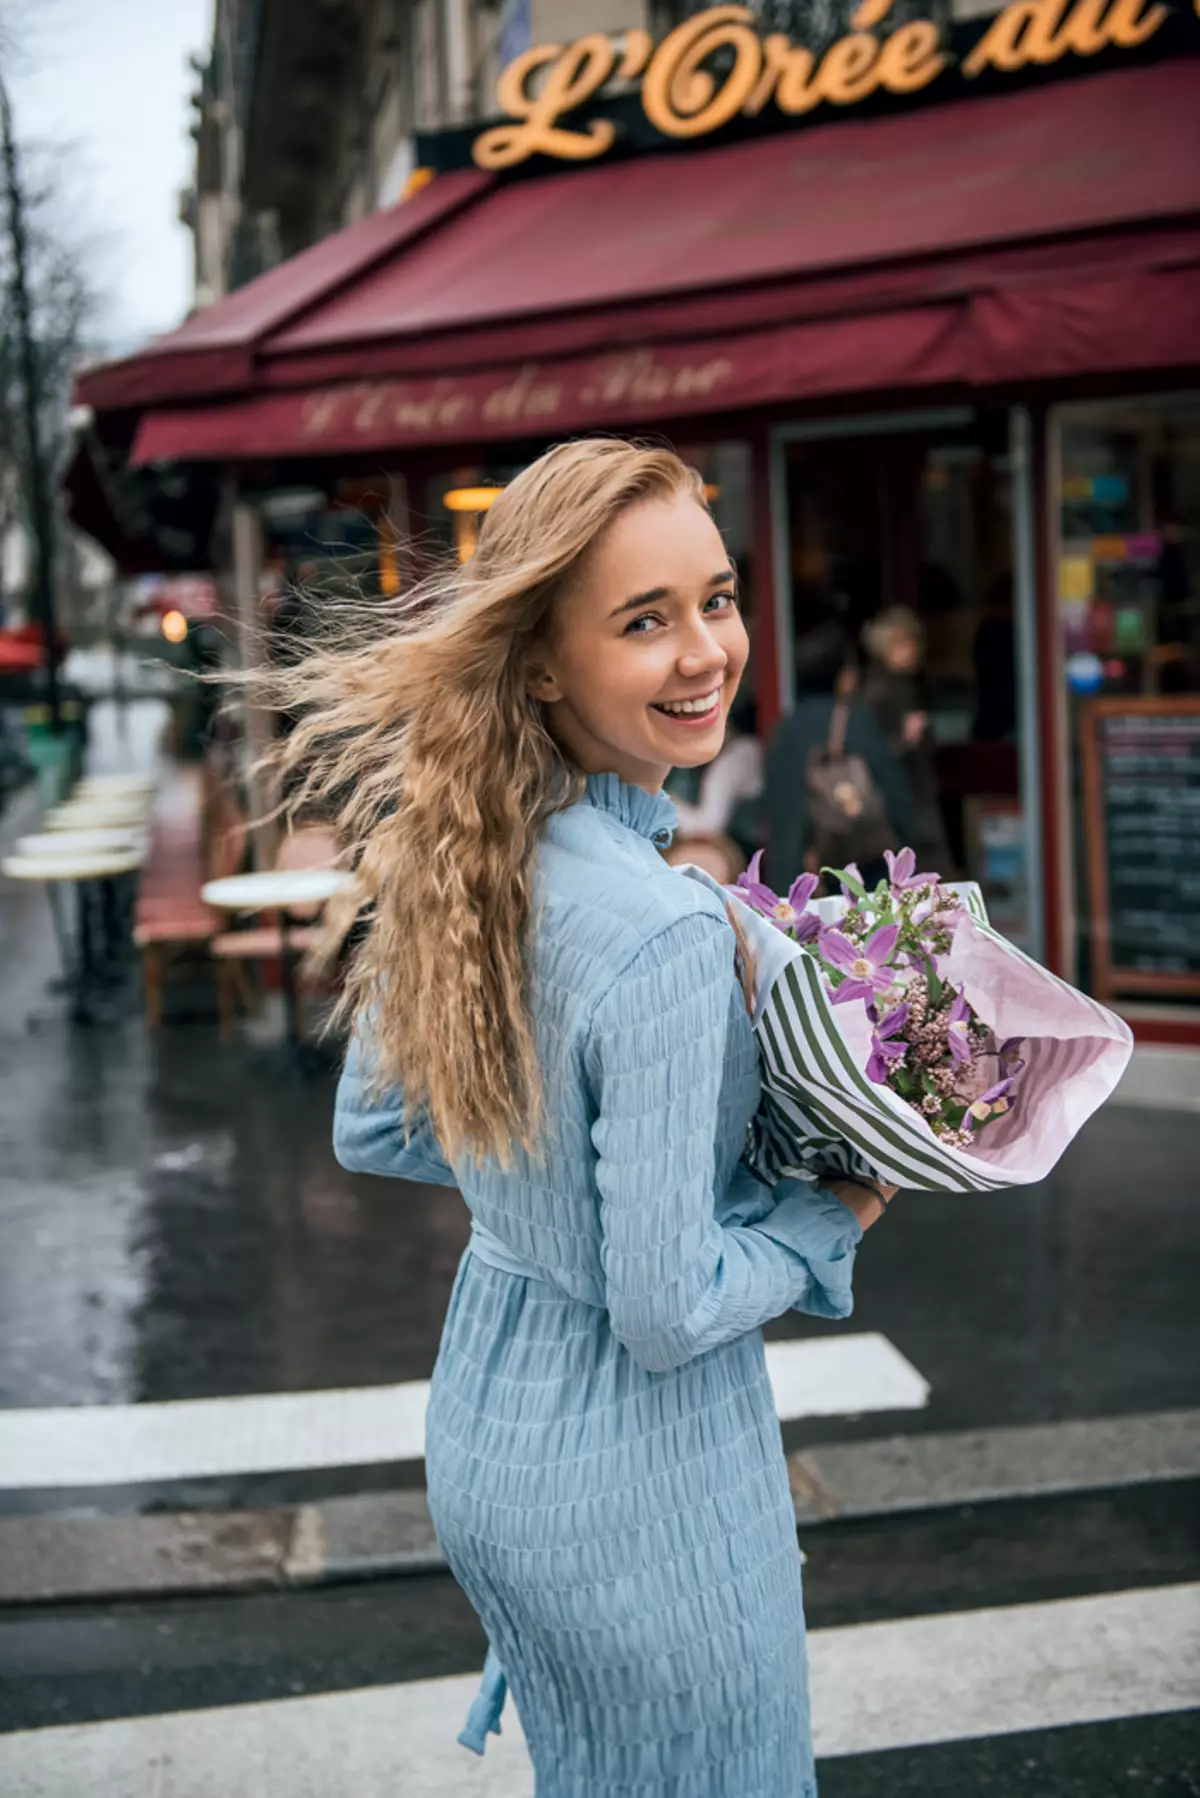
column 711, row 491
column 174, row 627
column 471, row 499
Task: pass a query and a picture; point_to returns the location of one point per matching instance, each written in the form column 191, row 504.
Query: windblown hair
column 423, row 742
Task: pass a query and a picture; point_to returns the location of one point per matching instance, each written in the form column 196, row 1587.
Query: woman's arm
column 368, row 1133
column 679, row 1282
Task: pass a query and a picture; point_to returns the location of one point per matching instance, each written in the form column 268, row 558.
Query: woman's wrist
column 866, row 1199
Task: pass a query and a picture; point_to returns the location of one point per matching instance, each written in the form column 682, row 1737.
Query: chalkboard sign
column 1141, row 783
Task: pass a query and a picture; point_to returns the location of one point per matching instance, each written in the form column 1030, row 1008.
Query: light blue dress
column 604, row 1462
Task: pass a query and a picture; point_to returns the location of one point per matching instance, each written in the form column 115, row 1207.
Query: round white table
column 114, row 789
column 113, row 841
column 277, row 890
column 75, row 815
column 84, row 971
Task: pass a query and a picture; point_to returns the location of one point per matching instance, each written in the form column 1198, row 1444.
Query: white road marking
column 113, row 1445
column 843, row 1376
column 875, row 1686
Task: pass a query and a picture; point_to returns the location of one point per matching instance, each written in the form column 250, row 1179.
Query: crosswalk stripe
column 904, row 1684
column 110, row 1445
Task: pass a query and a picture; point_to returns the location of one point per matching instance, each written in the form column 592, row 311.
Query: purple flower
column 901, row 871
column 885, row 1050
column 1011, row 1061
column 866, row 968
column 785, row 914
column 956, row 1032
column 993, row 1103
column 851, row 868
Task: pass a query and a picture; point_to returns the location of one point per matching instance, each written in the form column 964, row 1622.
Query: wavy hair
column 421, row 738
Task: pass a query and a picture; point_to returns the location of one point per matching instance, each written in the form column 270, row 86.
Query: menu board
column 1141, row 781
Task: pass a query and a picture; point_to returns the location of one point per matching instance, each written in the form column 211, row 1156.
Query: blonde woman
column 549, row 1020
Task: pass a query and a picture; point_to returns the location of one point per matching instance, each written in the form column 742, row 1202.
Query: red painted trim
column 1050, row 744
column 766, row 636
column 1184, row 1031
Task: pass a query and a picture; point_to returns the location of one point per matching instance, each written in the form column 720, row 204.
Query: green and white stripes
column 821, row 1111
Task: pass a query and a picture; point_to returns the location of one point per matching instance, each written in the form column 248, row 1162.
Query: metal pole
column 40, row 519
column 247, row 571
column 1029, row 676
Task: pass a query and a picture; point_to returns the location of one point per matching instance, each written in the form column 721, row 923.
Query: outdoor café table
column 277, row 891
column 112, row 840
column 78, row 814
column 115, row 783
column 84, row 971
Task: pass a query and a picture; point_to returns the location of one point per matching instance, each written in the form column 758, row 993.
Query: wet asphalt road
column 173, row 1225
column 73, row 1664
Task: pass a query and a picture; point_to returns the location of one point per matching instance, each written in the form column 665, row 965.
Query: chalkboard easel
column 1141, row 794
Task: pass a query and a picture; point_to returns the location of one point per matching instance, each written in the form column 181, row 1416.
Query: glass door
column 899, row 530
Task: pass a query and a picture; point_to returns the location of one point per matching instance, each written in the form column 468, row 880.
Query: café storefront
column 928, row 323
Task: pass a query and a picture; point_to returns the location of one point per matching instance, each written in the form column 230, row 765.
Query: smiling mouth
column 701, row 710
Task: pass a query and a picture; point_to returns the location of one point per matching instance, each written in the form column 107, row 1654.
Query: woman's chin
column 689, row 746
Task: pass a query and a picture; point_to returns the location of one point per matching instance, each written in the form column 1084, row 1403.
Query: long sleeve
column 368, row 1133
column 678, row 1281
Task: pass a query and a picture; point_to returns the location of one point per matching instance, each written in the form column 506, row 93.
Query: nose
column 702, row 654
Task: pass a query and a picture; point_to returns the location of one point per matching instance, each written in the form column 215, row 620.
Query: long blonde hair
column 422, row 739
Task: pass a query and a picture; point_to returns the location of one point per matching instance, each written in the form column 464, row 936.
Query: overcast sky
column 110, row 78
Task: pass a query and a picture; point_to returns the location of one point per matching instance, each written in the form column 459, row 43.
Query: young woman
column 549, row 1019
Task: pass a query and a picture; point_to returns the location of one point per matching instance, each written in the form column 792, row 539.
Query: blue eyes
column 724, row 602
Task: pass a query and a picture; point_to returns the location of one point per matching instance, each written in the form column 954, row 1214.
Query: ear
column 541, row 684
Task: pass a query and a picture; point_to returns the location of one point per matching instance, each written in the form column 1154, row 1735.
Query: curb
column 57, row 1560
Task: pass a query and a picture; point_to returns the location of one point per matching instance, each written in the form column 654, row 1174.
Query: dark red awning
column 1045, row 234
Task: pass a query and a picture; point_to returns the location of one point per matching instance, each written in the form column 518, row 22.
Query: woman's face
column 902, row 653
column 648, row 646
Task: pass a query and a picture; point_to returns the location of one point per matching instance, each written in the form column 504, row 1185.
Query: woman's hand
column 864, row 1201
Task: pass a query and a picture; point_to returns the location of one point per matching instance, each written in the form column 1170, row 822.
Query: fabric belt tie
column 489, row 1248
column 483, row 1718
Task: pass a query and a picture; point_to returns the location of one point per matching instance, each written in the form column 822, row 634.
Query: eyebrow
column 653, row 594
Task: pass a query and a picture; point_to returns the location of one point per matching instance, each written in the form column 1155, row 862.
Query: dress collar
column 651, row 815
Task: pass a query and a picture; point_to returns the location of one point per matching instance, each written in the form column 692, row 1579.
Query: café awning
column 1043, row 235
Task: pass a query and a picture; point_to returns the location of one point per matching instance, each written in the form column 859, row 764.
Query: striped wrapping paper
column 821, row 1113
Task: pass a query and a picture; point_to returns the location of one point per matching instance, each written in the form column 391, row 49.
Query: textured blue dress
column 604, row 1462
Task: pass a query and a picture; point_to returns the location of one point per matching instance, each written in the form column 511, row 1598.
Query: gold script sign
column 683, row 98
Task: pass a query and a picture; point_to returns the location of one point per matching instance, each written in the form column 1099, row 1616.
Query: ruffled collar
column 651, row 815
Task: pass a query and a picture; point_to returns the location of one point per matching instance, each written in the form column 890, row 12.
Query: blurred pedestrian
column 548, row 1016
column 893, row 686
column 829, row 745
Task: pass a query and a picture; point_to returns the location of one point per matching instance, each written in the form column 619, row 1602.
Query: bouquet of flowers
column 901, row 1036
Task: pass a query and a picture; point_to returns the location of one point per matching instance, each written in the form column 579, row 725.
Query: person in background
column 719, row 831
column 825, row 675
column 894, row 689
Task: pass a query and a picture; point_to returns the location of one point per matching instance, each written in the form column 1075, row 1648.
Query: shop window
column 1127, row 560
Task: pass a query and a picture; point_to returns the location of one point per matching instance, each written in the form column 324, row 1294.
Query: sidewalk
column 173, row 1228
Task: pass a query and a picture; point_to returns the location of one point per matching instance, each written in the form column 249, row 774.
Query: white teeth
column 688, row 706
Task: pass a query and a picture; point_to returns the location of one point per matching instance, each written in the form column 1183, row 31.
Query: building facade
column 307, row 112
column 932, row 350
